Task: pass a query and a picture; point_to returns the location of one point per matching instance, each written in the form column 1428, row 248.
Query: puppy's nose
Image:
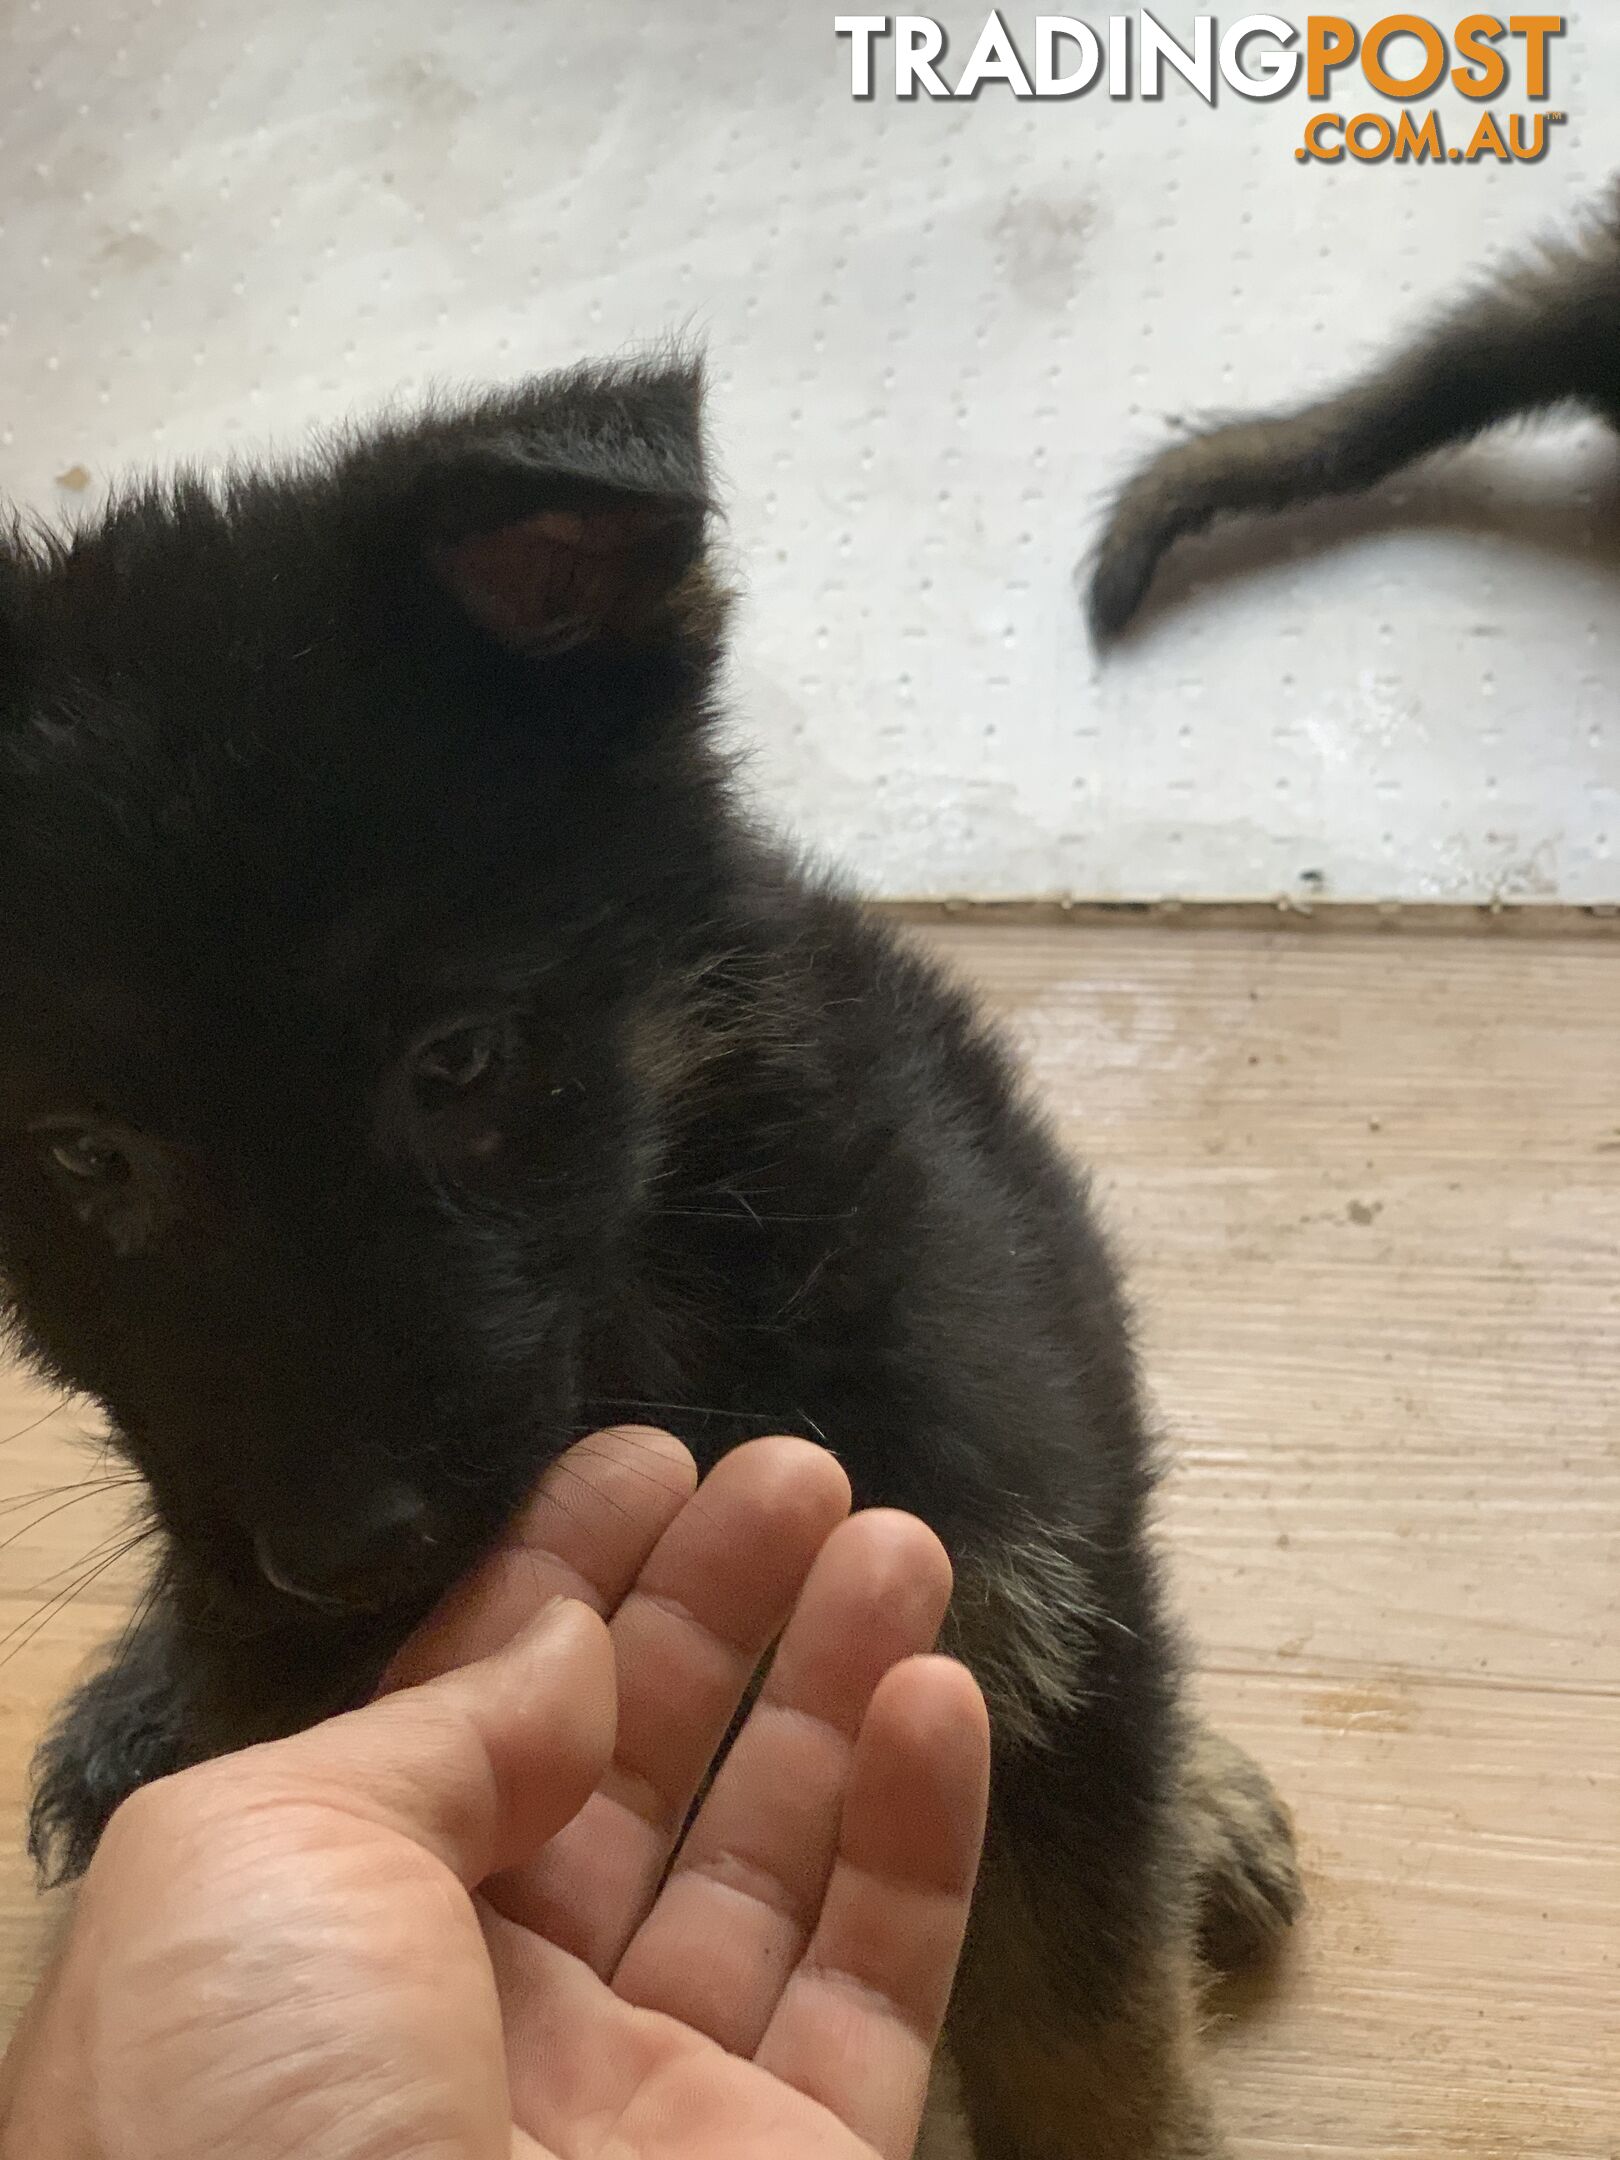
column 357, row 1558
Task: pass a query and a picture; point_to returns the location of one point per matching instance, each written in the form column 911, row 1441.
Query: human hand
column 438, row 1927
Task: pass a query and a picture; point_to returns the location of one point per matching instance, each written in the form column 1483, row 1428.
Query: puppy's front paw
column 1248, row 1882
column 119, row 1730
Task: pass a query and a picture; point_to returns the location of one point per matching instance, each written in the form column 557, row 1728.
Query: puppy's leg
column 1074, row 2023
column 944, row 2134
column 1246, row 1875
column 123, row 1727
column 1074, row 2027
column 1545, row 331
column 1076, row 2049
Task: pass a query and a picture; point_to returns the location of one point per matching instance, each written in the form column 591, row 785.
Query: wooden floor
column 1369, row 1190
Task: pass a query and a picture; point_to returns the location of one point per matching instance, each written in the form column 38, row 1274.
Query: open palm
column 464, row 1923
column 781, row 1989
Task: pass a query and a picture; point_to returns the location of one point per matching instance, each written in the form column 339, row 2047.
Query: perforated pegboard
column 939, row 331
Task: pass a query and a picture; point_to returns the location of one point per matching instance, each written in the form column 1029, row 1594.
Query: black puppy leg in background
column 1544, row 333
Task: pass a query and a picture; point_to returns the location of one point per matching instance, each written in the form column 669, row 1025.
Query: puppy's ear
column 569, row 515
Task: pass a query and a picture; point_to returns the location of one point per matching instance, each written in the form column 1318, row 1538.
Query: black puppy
column 1544, row 333
column 411, row 1058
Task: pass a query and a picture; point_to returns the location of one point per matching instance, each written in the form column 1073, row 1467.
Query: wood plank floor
column 1369, row 1191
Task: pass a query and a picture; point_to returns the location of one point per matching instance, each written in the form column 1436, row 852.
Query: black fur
column 1544, row 333
column 298, row 774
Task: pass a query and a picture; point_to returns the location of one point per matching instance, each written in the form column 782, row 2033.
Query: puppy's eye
column 87, row 1157
column 462, row 1057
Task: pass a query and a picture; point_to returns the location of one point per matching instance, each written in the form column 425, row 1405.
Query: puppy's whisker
column 42, row 1493
column 138, row 1617
column 74, row 1500
column 640, row 1443
column 125, row 1535
column 682, row 1409
column 33, row 1623
column 34, row 1424
column 745, row 1212
column 598, row 1498
column 672, row 1486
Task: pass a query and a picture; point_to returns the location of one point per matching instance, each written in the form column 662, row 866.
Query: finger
column 479, row 1766
column 859, row 2019
column 688, row 1639
column 594, row 1517
column 730, row 1923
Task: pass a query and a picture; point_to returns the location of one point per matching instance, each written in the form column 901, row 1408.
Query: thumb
column 479, row 1766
